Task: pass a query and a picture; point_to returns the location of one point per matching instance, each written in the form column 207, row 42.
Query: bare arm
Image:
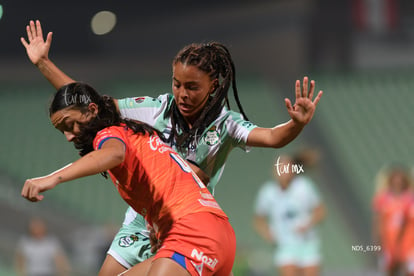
column 20, row 266
column 38, row 52
column 301, row 114
column 200, row 173
column 318, row 214
column 62, row 264
column 109, row 156
column 261, row 226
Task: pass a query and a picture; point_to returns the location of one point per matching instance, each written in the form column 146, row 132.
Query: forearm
column 285, row 133
column 109, row 156
column 276, row 137
column 93, row 163
column 19, row 265
column 262, row 228
column 318, row 215
column 200, row 173
column 53, row 74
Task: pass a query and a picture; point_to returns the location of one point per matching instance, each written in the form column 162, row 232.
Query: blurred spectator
column 378, row 17
column 330, row 35
column 407, row 240
column 393, row 213
column 90, row 245
column 287, row 211
column 40, row 254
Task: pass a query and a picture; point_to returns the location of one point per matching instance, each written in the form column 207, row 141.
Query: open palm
column 36, row 47
column 304, row 108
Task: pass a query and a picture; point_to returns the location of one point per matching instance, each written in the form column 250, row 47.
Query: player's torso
column 209, row 149
column 157, row 183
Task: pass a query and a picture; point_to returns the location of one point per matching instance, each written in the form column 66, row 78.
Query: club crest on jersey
column 127, row 241
column 212, row 136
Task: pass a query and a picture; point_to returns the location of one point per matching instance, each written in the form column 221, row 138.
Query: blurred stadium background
column 359, row 52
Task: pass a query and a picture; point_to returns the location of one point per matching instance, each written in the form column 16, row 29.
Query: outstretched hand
column 304, row 108
column 36, row 47
column 33, row 187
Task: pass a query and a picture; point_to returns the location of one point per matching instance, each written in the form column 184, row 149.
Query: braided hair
column 78, row 96
column 215, row 60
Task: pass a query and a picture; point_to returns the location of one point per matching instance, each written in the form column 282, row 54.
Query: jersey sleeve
column 144, row 109
column 378, row 201
column 105, row 134
column 239, row 129
column 263, row 202
column 313, row 193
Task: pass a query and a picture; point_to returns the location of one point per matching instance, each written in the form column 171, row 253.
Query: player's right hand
column 33, row 187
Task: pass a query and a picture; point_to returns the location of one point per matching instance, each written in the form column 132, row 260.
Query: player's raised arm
column 300, row 113
column 38, row 52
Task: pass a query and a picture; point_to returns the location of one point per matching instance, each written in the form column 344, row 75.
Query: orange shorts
column 203, row 243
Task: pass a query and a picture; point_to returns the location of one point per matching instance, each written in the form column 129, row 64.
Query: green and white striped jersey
column 209, row 149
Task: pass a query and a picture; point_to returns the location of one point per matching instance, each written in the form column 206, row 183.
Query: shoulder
column 145, row 101
column 269, row 188
column 380, row 200
column 107, row 133
column 236, row 117
column 305, row 185
column 234, row 124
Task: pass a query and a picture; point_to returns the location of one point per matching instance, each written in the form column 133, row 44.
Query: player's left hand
column 303, row 109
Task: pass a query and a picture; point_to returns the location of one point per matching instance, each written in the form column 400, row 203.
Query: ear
column 93, row 109
column 214, row 86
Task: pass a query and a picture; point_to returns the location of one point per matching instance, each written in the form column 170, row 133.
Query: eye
column 192, row 87
column 68, row 126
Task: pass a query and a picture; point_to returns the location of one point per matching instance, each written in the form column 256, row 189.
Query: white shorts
column 302, row 255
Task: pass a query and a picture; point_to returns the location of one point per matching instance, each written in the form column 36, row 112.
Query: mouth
column 185, row 107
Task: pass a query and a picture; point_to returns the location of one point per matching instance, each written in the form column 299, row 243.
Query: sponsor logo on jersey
column 204, row 259
column 198, row 268
column 212, row 136
column 139, row 100
column 156, row 144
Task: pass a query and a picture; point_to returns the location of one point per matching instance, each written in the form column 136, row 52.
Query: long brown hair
column 78, row 96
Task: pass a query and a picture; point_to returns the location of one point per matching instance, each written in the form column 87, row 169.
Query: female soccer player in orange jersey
column 150, row 176
column 391, row 205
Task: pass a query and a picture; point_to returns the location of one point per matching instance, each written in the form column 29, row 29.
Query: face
column 191, row 88
column 398, row 182
column 37, row 228
column 68, row 121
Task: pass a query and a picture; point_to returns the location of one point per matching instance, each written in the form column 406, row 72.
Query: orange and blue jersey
column 155, row 180
column 392, row 210
column 407, row 240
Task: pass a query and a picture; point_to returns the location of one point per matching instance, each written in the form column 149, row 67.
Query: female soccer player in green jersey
column 195, row 118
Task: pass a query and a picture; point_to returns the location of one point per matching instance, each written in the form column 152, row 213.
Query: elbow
column 322, row 213
column 118, row 158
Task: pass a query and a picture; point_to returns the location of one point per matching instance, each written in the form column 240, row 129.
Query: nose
column 69, row 136
column 182, row 92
